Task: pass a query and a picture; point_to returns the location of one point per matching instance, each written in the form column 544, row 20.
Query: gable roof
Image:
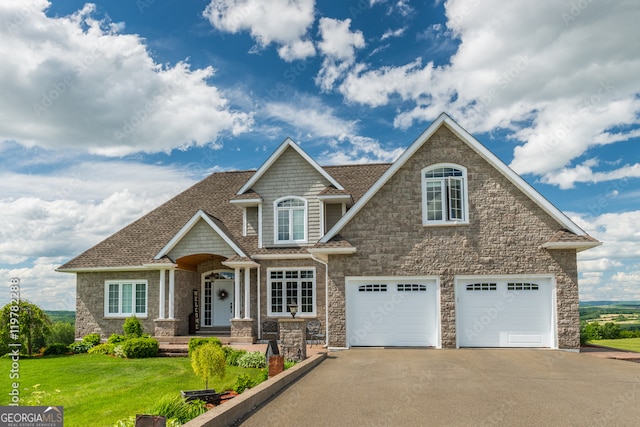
column 138, row 244
column 213, row 222
column 474, row 144
column 288, row 143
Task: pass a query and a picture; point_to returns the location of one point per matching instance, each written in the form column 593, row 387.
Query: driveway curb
column 239, row 406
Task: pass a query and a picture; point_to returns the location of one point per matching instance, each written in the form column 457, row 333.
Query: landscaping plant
column 197, row 342
column 132, row 327
column 138, row 348
column 254, row 359
column 207, row 362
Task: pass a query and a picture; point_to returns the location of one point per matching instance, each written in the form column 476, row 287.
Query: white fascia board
column 281, row 256
column 143, row 267
column 189, row 225
column 241, row 264
column 578, row 246
column 444, row 119
column 245, row 203
column 288, row 142
column 333, row 251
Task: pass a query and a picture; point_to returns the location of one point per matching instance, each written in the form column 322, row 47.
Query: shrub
column 56, row 348
column 118, row 352
column 93, row 339
column 232, row 355
column 207, row 361
column 132, row 327
column 61, row 332
column 254, row 359
column 243, row 382
column 80, row 347
column 139, row 348
column 102, row 349
column 176, row 408
column 197, row 342
column 116, row 339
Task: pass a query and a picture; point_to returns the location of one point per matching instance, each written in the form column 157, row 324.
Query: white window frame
column 298, row 280
column 446, row 191
column 120, row 313
column 277, row 209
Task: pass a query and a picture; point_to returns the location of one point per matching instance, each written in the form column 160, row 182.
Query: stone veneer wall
column 301, row 263
column 90, row 302
column 504, row 236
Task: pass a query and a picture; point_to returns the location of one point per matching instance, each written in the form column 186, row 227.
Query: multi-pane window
column 288, row 286
column 444, row 194
column 126, row 298
column 291, row 219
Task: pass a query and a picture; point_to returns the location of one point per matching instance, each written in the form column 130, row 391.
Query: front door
column 217, row 301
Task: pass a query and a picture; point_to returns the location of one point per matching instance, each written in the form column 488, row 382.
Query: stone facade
column 293, row 339
column 504, row 236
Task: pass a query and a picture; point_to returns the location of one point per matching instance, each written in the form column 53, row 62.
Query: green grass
column 629, row 344
column 98, row 390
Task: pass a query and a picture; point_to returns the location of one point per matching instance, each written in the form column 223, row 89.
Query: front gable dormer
column 290, row 197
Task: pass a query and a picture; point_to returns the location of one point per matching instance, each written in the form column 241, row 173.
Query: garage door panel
column 400, row 312
column 504, row 312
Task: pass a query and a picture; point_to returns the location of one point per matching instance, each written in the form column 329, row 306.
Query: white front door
column 223, row 294
column 217, row 301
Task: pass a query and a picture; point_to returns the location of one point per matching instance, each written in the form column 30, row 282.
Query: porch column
column 247, row 293
column 172, row 280
column 236, row 296
column 162, row 295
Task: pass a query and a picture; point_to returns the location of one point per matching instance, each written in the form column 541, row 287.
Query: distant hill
column 590, row 310
column 62, row 316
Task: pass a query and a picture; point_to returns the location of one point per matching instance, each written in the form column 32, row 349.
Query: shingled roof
column 138, row 243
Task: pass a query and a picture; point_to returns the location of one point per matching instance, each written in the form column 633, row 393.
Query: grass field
column 98, row 390
column 630, row 344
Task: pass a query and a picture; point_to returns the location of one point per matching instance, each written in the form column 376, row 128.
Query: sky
column 108, row 109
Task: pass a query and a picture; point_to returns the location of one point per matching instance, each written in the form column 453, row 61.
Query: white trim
column 333, row 251
column 245, row 203
column 244, row 221
column 276, row 231
column 322, row 216
column 285, row 313
column 142, row 267
column 445, row 194
column 236, row 295
column 162, row 292
column 189, row 225
column 578, row 246
column 259, row 310
column 474, row 144
column 485, row 277
column 172, row 293
column 247, row 293
column 288, row 142
column 260, row 226
column 335, row 198
column 281, row 256
column 120, row 314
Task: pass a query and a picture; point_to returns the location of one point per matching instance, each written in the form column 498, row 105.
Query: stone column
column 243, row 331
column 293, row 339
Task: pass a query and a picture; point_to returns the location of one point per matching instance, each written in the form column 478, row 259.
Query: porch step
column 174, row 350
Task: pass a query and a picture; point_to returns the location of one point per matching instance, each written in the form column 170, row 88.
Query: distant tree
column 610, row 331
column 61, row 332
column 33, row 323
column 208, row 361
column 590, row 331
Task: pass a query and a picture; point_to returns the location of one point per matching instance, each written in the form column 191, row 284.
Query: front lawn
column 629, row 344
column 98, row 390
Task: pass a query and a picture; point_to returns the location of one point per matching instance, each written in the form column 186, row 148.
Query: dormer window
column 444, row 195
column 291, row 220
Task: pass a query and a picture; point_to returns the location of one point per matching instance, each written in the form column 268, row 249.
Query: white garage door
column 505, row 312
column 398, row 311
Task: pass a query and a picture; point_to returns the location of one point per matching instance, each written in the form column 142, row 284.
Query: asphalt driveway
column 423, row 387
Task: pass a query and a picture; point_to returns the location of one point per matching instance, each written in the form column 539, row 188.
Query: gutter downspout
column 259, row 313
column 326, row 295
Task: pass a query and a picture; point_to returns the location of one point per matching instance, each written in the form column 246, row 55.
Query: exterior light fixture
column 293, row 309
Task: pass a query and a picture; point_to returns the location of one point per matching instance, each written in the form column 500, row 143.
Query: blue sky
column 108, row 109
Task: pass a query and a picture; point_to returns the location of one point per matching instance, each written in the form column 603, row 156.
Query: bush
column 197, row 342
column 116, row 339
column 80, row 347
column 243, row 382
column 132, row 327
column 118, row 352
column 610, row 331
column 93, row 339
column 139, row 348
column 61, row 332
column 254, row 359
column 231, row 355
column 176, row 408
column 54, row 349
column 102, row 349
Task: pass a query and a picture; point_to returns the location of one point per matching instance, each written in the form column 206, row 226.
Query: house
column 445, row 247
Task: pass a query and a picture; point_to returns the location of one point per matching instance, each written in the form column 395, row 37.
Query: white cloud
column 75, row 82
column 43, row 286
column 393, row 33
column 338, row 45
column 567, row 177
column 284, row 22
column 311, row 118
column 561, row 80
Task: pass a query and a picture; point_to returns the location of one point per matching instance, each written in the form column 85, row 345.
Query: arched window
column 444, row 194
column 290, row 220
